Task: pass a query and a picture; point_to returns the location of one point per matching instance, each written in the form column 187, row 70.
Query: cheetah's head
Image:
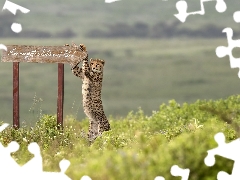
column 96, row 65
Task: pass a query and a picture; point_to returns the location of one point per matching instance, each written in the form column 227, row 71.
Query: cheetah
column 92, row 77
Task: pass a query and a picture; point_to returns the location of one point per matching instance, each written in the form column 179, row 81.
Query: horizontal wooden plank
column 43, row 54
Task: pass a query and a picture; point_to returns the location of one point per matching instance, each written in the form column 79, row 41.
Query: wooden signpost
column 41, row 54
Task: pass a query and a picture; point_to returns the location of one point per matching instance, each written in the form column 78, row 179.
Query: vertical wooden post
column 16, row 95
column 60, row 98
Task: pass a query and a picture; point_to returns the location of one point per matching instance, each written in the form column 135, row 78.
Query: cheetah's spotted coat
column 92, row 76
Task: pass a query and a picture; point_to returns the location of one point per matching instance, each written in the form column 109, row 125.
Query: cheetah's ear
column 83, row 47
column 101, row 61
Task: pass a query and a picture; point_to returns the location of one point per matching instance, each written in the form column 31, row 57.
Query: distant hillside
column 58, row 16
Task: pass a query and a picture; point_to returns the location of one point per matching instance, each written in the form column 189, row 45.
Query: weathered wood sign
column 43, row 54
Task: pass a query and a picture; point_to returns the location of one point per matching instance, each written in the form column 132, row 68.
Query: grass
column 138, row 146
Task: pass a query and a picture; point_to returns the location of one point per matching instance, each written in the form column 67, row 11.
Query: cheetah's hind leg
column 93, row 132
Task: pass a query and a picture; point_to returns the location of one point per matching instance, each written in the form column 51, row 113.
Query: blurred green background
column 151, row 57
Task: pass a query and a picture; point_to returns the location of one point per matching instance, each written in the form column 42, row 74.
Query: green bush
column 138, row 146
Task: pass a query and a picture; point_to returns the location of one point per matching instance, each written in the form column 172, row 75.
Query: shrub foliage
column 138, row 146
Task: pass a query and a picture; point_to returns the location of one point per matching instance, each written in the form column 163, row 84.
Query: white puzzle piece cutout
column 177, row 171
column 222, row 51
column 182, row 7
column 7, row 163
column 17, row 28
column 236, row 16
column 111, row 1
column 229, row 151
column 159, row 178
column 4, row 125
column 2, row 46
column 35, row 164
column 85, row 178
column 33, row 169
column 12, row 7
